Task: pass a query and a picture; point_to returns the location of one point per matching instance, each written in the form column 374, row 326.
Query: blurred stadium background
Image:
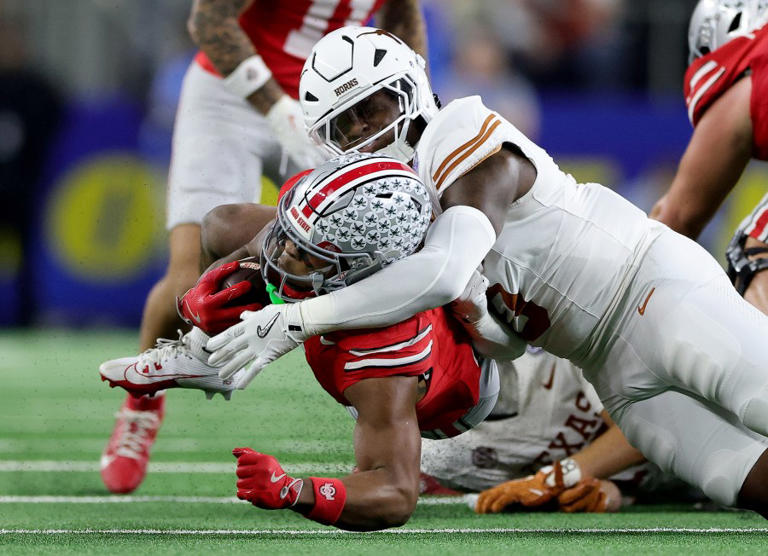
column 88, row 91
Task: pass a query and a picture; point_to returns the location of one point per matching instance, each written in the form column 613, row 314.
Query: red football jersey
column 710, row 76
column 430, row 344
column 284, row 32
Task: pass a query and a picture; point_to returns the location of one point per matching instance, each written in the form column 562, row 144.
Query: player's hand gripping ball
column 222, row 294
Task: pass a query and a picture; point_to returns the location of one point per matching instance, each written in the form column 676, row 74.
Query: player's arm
column 403, row 18
column 493, row 185
column 579, row 483
column 214, row 27
column 719, row 149
column 228, row 232
column 384, row 491
column 223, row 229
column 608, row 454
column 381, row 494
column 456, row 244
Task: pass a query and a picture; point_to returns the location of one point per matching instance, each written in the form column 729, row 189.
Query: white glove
column 262, row 337
column 287, row 122
column 472, row 305
column 489, row 336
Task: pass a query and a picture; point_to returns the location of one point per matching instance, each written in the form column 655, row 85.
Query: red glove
column 263, row 482
column 204, row 305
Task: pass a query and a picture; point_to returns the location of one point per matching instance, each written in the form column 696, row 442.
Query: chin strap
column 273, row 297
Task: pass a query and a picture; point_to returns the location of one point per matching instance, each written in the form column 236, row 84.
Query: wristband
column 250, row 75
column 330, row 495
column 571, row 473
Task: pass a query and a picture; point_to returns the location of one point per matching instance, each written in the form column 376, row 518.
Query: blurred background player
column 726, row 87
column 237, row 115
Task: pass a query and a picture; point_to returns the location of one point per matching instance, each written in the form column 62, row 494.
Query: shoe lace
column 136, row 426
column 165, row 348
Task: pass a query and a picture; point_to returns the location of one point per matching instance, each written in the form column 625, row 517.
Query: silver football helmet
column 715, row 22
column 346, row 219
column 346, row 74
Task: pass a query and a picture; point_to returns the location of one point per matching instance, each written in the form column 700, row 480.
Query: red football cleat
column 124, row 461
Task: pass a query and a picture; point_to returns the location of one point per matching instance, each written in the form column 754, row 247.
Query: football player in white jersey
column 678, row 358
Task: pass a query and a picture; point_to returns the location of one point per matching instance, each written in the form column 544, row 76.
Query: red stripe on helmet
column 350, row 175
column 291, row 182
column 759, row 229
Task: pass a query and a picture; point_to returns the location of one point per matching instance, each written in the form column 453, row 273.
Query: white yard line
column 431, row 501
column 510, row 530
column 159, row 467
column 118, row 499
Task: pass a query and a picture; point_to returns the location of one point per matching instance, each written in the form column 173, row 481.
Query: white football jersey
column 567, row 249
column 546, row 412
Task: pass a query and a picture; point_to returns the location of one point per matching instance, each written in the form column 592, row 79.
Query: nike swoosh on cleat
column 262, row 332
column 274, row 479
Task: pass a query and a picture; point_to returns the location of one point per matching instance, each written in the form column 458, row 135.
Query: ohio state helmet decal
column 358, row 213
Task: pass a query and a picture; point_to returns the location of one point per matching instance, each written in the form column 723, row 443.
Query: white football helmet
column 715, row 22
column 349, row 217
column 338, row 87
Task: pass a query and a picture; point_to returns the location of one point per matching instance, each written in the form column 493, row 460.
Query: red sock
column 145, row 403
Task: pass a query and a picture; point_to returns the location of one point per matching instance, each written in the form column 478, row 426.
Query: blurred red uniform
column 292, row 28
column 709, row 76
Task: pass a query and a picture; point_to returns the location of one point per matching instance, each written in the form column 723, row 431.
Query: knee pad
column 723, row 474
column 755, row 414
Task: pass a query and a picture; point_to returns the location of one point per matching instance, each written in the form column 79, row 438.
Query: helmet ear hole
column 378, row 56
column 735, row 23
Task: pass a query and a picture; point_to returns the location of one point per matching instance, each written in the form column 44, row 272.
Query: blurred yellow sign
column 105, row 218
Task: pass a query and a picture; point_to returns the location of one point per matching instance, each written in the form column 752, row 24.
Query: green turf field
column 56, row 415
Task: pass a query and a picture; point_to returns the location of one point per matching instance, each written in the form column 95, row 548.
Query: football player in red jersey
column 726, row 92
column 237, row 117
column 418, row 378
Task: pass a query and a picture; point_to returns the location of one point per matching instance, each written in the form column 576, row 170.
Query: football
column 249, row 271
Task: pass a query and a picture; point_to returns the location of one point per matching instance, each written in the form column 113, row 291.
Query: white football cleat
column 181, row 363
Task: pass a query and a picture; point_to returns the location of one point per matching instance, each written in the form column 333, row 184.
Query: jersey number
column 315, row 24
column 525, row 317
